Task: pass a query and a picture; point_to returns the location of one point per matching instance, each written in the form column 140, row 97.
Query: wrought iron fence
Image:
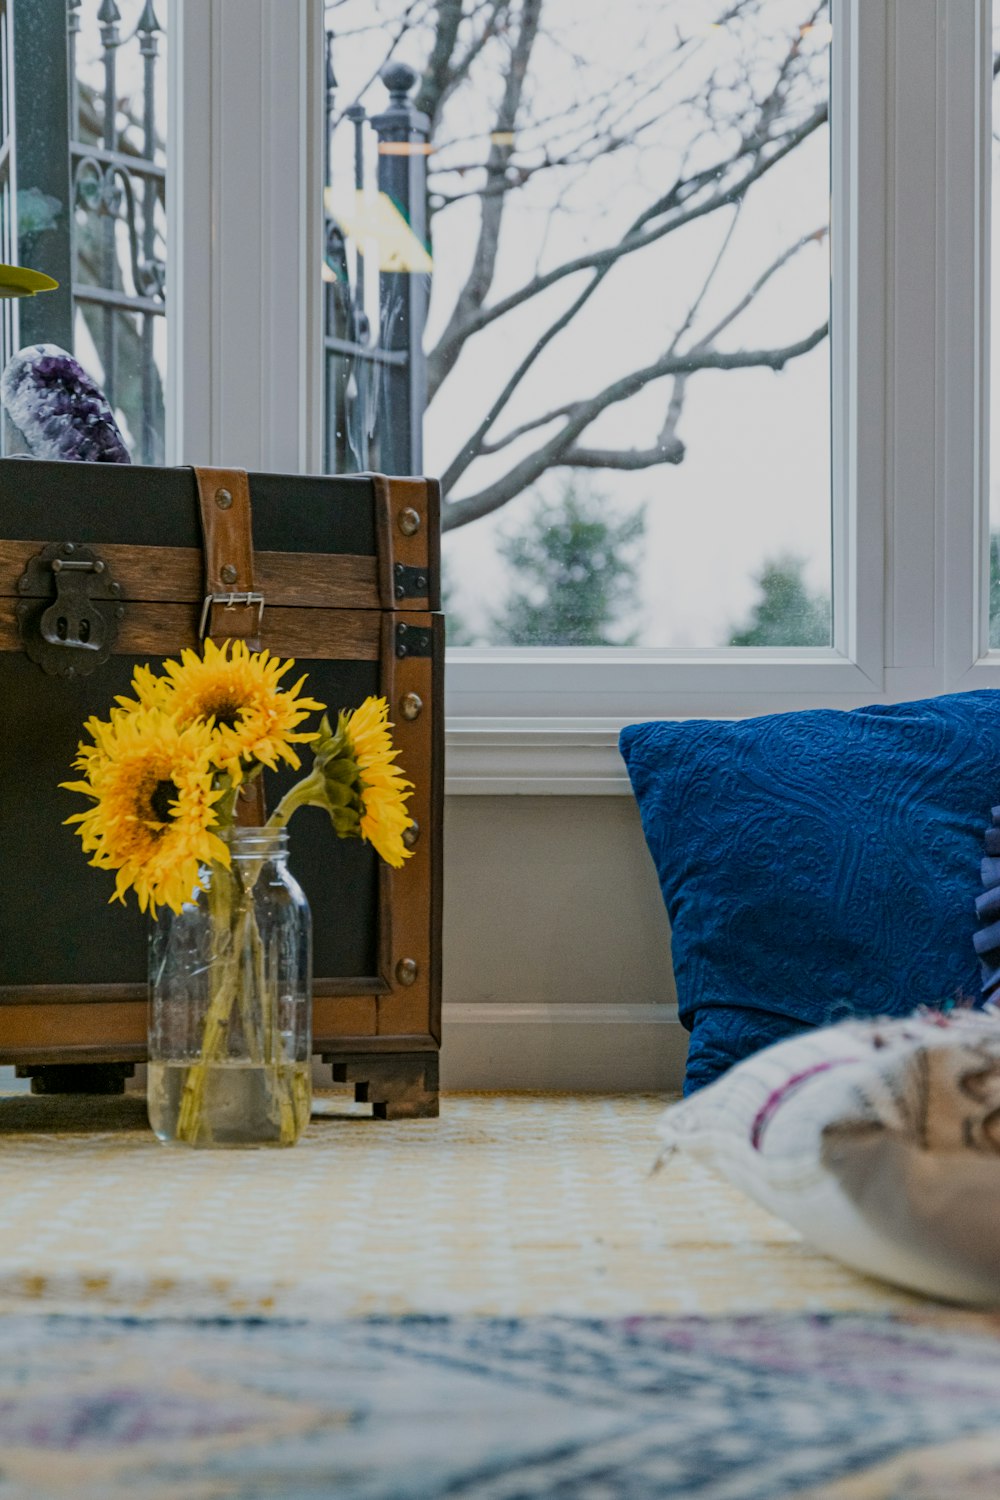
column 8, row 228
column 83, row 193
column 377, row 274
column 118, row 185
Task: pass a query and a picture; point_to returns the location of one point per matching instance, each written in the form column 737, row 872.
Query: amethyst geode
column 57, row 408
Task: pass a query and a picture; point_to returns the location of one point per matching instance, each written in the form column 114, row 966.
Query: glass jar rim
column 255, row 841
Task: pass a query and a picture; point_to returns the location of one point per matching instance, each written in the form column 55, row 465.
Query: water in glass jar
column 241, row 1103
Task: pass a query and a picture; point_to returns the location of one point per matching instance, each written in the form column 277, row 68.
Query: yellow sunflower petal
column 237, row 693
column 151, row 783
column 384, row 789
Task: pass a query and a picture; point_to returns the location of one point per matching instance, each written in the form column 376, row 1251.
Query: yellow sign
column 376, row 219
column 19, row 281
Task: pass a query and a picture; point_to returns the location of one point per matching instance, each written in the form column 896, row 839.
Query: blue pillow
column 817, row 865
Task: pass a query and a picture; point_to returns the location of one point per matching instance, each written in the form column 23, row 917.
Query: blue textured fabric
column 817, row 865
column 722, row 1037
column 987, row 939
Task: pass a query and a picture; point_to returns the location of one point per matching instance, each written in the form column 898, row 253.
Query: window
column 626, row 349
column 84, row 194
column 119, row 235
column 994, row 540
column 907, row 564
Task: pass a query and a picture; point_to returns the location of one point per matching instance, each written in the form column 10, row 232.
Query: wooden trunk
column 349, row 573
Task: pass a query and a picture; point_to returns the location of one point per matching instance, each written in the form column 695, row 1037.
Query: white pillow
column 878, row 1140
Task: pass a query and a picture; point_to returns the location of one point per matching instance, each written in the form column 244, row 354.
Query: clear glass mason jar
column 230, row 1014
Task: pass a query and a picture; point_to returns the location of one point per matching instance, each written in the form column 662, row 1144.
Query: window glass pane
column 626, row 356
column 84, row 115
column 119, row 180
column 994, row 627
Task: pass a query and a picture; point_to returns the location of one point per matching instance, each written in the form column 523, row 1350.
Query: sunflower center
column 160, row 799
column 226, row 714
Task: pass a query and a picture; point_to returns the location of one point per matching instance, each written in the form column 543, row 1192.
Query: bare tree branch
column 815, row 237
column 530, row 426
column 470, row 450
column 736, row 112
column 438, row 71
column 713, row 270
column 407, row 21
column 480, row 278
column 552, row 453
column 462, row 66
column 441, row 360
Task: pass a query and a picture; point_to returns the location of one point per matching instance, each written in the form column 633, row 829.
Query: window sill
column 540, row 757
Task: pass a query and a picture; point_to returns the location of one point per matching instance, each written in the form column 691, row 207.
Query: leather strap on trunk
column 233, row 609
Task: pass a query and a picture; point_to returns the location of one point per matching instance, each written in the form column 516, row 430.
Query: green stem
column 309, row 789
column 223, row 974
column 237, row 976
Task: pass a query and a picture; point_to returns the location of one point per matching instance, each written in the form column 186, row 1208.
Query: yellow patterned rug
column 498, row 1305
column 508, row 1206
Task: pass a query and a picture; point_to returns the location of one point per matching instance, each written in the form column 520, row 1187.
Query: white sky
column 129, row 75
column 755, row 482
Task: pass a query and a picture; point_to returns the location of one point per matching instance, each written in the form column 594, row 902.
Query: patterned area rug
column 842, row 1407
column 516, row 1206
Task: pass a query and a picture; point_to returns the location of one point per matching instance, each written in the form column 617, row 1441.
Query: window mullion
column 249, row 200
column 964, row 184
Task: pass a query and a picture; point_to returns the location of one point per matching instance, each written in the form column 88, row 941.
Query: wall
column 556, row 948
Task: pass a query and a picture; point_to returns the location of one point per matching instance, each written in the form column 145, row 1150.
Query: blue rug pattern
column 413, row 1408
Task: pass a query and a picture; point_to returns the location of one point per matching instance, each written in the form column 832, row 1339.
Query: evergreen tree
column 994, row 590
column 786, row 614
column 456, row 631
column 575, row 574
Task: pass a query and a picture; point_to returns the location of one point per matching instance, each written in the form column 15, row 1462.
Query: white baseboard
column 576, row 1048
column 586, row 1048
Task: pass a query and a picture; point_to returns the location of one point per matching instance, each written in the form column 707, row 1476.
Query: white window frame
column 911, row 167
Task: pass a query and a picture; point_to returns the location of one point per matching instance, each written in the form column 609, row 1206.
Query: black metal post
column 357, row 117
column 41, row 132
column 148, row 30
column 109, row 16
column 404, row 291
column 74, row 87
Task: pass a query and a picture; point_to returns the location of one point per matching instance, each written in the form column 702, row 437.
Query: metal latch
column 230, row 601
column 413, row 640
column 72, row 633
column 409, row 583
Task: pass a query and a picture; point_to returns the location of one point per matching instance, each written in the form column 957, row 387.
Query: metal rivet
column 228, row 574
column 114, row 588
column 411, row 706
column 407, row 971
column 409, row 521
column 223, row 499
column 119, row 611
column 22, row 584
column 69, row 547
column 98, row 566
column 57, row 565
column 411, row 835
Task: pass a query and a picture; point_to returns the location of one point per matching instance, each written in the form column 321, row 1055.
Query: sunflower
column 382, row 785
column 151, row 783
column 237, row 693
column 353, row 779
